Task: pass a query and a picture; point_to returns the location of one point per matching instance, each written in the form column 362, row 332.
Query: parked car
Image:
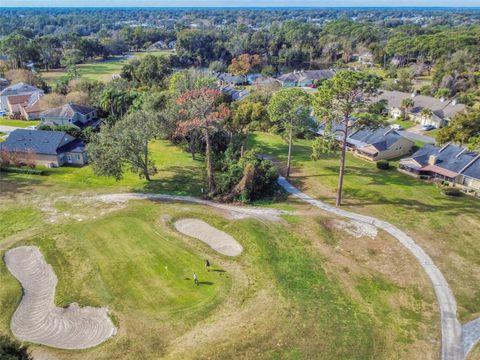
column 31, row 127
column 397, row 127
column 428, row 127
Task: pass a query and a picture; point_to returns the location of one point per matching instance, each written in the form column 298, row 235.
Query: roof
column 381, row 138
column 230, row 78
column 18, row 99
column 18, row 89
column 452, row 158
column 38, row 141
column 443, row 109
column 67, row 111
column 313, row 75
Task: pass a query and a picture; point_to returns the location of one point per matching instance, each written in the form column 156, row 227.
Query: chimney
column 432, row 159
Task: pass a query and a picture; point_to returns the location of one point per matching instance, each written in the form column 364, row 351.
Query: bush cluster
column 383, row 165
column 451, row 191
column 24, row 170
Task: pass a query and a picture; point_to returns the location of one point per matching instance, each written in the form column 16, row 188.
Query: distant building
column 236, row 94
column 16, row 89
column 304, row 77
column 48, row 148
column 442, row 110
column 230, row 79
column 451, row 163
column 71, row 114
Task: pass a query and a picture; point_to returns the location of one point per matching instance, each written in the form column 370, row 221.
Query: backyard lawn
column 444, row 226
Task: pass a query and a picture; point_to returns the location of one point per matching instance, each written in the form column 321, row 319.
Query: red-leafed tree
column 201, row 110
column 244, row 64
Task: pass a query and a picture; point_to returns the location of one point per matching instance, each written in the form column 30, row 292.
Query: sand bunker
column 216, row 239
column 38, row 320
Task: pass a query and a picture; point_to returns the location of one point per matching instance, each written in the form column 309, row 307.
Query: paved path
column 7, row 129
column 417, row 137
column 452, row 344
column 471, row 335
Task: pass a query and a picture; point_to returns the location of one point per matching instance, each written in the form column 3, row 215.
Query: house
column 71, row 114
column 26, row 106
column 382, row 143
column 3, row 83
column 48, row 148
column 304, row 77
column 236, row 94
column 16, row 89
column 365, row 58
column 453, row 164
column 230, row 79
column 442, row 111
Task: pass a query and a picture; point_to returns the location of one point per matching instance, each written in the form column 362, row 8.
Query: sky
column 238, row 3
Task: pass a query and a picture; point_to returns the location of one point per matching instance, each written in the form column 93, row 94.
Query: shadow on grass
column 12, row 185
column 184, row 181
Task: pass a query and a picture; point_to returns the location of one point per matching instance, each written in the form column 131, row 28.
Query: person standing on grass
column 195, row 279
column 207, row 264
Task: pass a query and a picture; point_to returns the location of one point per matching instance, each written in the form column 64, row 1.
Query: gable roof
column 67, row 111
column 453, row 158
column 443, row 109
column 313, row 75
column 18, row 89
column 381, row 138
column 37, row 141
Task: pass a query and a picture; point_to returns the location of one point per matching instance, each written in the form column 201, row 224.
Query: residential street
column 417, row 137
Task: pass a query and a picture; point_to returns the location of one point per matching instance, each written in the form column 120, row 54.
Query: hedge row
column 18, row 170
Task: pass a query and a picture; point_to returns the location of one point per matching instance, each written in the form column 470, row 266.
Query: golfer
column 207, row 264
column 195, row 279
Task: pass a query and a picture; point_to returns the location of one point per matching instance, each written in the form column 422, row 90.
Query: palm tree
column 426, row 114
column 406, row 105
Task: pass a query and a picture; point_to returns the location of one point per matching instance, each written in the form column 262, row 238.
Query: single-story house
column 382, row 143
column 304, row 77
column 48, row 148
column 16, row 89
column 230, row 79
column 236, row 94
column 442, row 110
column 26, row 106
column 71, row 114
column 451, row 163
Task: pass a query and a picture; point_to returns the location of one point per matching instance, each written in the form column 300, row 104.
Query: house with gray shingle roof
column 383, row 143
column 442, row 110
column 451, row 163
column 49, row 148
column 71, row 114
column 304, row 77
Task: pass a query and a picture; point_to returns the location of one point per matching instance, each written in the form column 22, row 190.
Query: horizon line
column 241, row 7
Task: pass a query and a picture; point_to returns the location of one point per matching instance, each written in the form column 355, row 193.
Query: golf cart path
column 456, row 340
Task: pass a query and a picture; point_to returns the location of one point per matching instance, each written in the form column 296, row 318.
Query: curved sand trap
column 38, row 320
column 216, row 239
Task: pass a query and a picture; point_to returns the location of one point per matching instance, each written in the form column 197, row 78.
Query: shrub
column 451, row 191
column 383, row 165
column 19, row 170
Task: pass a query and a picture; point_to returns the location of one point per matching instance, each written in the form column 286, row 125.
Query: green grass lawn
column 18, row 123
column 100, row 70
column 446, row 227
column 177, row 174
column 404, row 123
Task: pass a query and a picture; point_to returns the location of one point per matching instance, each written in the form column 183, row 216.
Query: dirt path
column 37, row 319
column 456, row 340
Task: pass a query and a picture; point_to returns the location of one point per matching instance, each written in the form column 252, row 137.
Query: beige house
column 46, row 148
column 442, row 110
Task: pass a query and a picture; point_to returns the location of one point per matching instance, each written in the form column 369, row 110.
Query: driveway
column 411, row 135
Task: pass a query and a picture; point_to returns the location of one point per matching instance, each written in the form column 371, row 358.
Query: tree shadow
column 11, row 185
column 176, row 180
column 205, row 283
